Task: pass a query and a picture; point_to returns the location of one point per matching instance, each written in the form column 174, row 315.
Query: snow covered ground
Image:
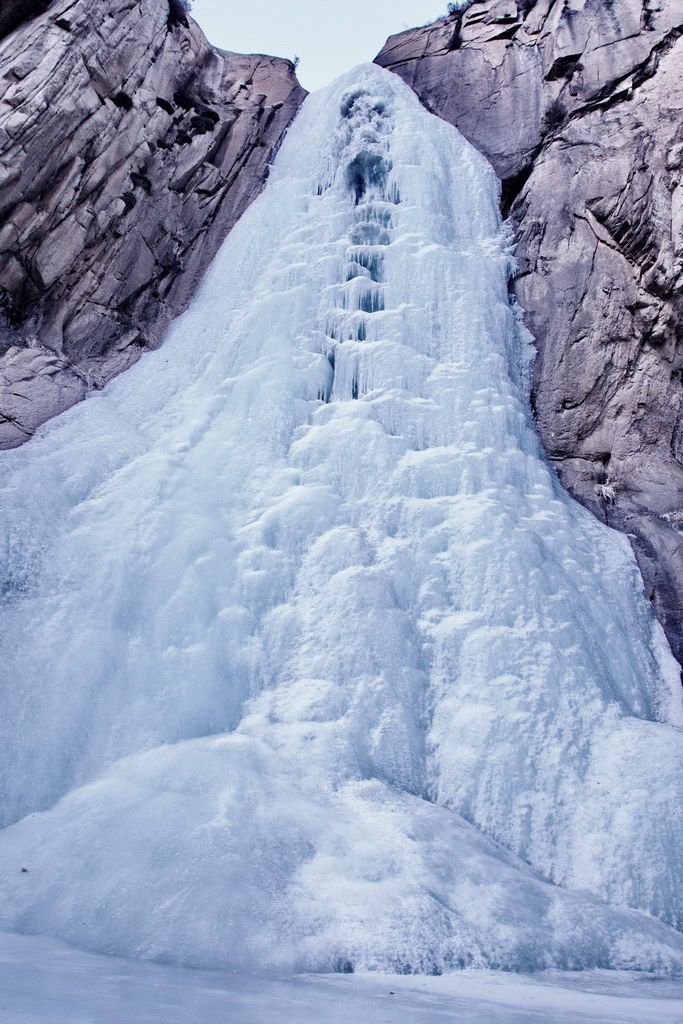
column 43, row 981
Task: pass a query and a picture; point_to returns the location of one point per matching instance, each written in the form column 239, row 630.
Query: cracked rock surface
column 577, row 104
column 128, row 148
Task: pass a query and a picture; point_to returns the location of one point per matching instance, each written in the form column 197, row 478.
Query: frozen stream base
column 42, row 980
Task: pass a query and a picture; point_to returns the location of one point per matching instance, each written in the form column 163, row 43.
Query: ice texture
column 310, row 663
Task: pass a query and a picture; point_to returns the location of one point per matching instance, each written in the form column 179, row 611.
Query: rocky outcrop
column 577, row 104
column 128, row 148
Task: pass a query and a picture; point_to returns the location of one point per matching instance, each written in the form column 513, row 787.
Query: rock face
column 128, row 148
column 577, row 104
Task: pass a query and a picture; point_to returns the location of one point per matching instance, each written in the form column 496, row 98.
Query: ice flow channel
column 309, row 661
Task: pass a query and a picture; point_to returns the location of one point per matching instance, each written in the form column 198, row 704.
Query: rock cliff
column 577, row 104
column 128, row 148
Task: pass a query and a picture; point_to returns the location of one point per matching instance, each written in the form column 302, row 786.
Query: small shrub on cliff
column 177, row 12
column 455, row 16
column 524, row 6
column 458, row 8
column 554, row 117
column 606, row 493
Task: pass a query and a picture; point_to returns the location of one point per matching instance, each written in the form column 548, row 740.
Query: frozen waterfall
column 308, row 660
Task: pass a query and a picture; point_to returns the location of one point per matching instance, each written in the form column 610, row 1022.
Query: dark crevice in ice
column 373, row 199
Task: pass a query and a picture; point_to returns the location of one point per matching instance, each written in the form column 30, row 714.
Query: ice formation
column 309, row 661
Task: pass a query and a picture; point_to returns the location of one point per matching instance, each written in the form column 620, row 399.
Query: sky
column 329, row 37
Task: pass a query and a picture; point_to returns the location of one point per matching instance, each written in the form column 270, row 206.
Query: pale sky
column 330, row 37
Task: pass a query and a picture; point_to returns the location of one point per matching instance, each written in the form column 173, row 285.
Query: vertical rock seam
column 577, row 106
column 129, row 146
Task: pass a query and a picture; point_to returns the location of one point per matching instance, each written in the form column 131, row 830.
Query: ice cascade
column 309, row 662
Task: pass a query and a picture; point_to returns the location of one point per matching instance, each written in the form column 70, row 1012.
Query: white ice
column 310, row 664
